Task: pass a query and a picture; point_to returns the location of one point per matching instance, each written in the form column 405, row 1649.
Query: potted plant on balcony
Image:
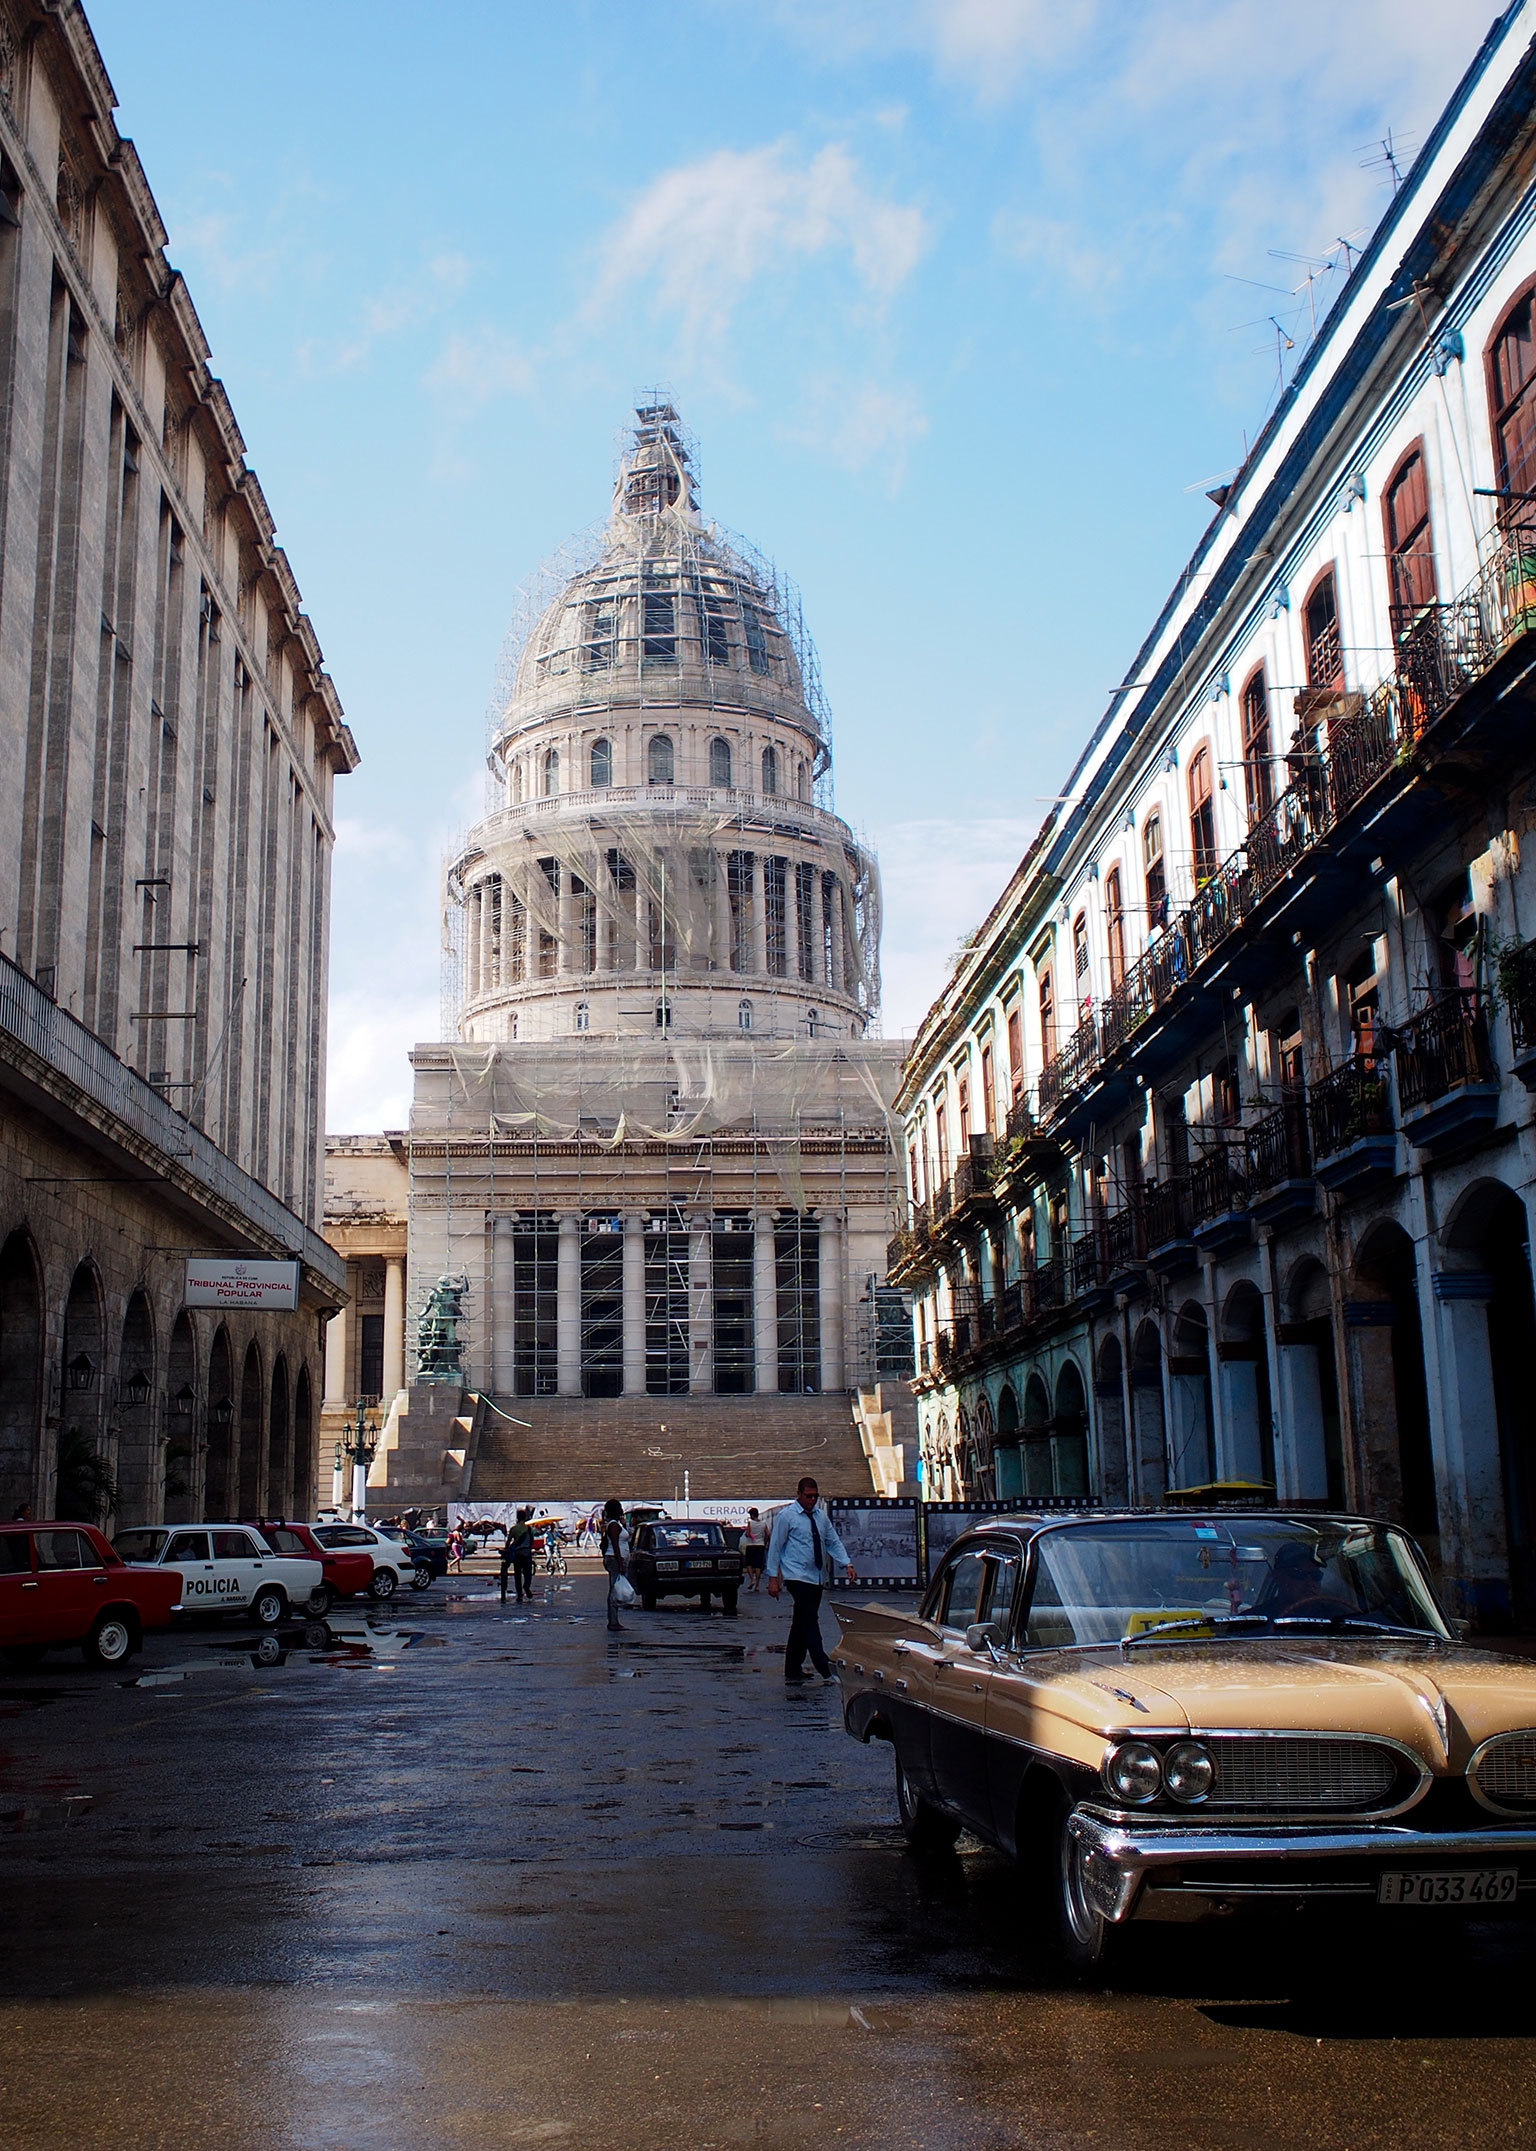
column 1519, row 579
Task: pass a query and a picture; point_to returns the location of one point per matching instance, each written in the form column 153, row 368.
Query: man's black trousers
column 805, row 1630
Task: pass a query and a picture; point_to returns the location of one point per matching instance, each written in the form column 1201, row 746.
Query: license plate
column 698, row 1564
column 1449, row 1886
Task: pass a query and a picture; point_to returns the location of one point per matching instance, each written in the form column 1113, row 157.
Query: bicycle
column 553, row 1563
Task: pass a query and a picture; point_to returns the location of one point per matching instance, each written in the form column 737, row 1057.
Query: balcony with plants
column 1354, row 1134
column 1447, row 1084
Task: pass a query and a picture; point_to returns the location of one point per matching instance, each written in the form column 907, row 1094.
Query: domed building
column 659, row 1148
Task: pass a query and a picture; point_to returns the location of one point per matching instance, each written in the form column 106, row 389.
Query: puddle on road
column 316, row 1643
column 46, row 1814
column 15, row 1701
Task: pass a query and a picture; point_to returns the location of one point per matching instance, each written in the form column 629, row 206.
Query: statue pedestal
column 419, row 1469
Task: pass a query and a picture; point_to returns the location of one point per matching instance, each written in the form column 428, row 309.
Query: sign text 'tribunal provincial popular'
column 270, row 1285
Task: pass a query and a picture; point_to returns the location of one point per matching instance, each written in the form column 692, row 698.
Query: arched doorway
column 139, row 1476
column 1010, row 1476
column 302, row 1503
column 1035, row 1449
column 1109, row 1394
column 219, row 1467
column 84, row 1487
column 1149, row 1428
column 1069, row 1438
column 1189, row 1397
column 180, row 1478
column 1311, row 1462
column 986, row 1448
column 1488, row 1337
column 21, row 1372
column 250, row 1453
column 1389, row 1392
column 1243, row 1358
column 279, row 1442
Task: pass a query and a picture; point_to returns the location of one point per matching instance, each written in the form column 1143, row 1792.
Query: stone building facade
column 1219, row 1143
column 167, row 751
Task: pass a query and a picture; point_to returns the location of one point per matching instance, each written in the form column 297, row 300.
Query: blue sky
column 950, row 291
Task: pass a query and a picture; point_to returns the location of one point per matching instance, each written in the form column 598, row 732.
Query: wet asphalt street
column 480, row 1876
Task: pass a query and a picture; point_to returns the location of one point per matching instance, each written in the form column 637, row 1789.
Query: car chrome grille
column 1288, row 1772
column 1506, row 1773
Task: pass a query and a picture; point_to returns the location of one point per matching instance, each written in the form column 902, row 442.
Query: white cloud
column 700, row 236
column 940, row 878
column 859, row 423
column 368, row 1072
column 478, row 367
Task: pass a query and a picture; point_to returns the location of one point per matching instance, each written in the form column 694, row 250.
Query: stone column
column 765, row 1304
column 472, row 941
column 503, row 1255
column 829, row 1269
column 567, row 955
column 701, row 1305
column 838, row 971
column 792, row 921
column 336, row 1358
column 394, row 1325
column 568, row 1307
column 759, row 883
column 1469, row 1481
column 722, row 960
column 634, row 1304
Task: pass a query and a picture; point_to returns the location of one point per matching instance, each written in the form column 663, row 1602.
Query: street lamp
column 336, row 1478
column 221, row 1413
column 81, row 1371
column 184, row 1399
column 136, row 1389
column 361, row 1446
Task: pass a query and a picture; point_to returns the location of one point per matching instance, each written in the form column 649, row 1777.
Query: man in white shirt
column 800, row 1547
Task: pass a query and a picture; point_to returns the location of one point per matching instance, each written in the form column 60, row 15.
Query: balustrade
column 1351, row 1103
column 1443, row 1045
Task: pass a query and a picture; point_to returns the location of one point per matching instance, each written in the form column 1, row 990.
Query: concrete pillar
column 701, row 1305
column 336, row 1358
column 839, row 969
column 394, row 1325
column 759, row 881
column 568, row 955
column 765, row 1304
column 1301, row 1452
column 472, row 941
column 634, row 1305
column 568, row 1307
column 503, row 1251
column 1469, row 1482
column 722, row 952
column 791, row 921
column 829, row 1270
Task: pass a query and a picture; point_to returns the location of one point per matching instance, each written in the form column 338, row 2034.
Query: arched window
column 1320, row 627
column 803, row 781
column 1114, row 906
column 663, row 1015
column 1015, row 1054
column 1512, row 403
column 1156, row 872
column 988, row 1093
column 659, row 759
column 810, row 1023
column 1047, row 1015
column 1258, row 782
column 602, row 764
column 1202, row 816
column 770, row 769
column 1410, row 543
column 551, row 772
column 1080, row 959
column 743, row 1014
column 963, row 1092
column 517, row 784
column 720, row 761
column 583, row 1015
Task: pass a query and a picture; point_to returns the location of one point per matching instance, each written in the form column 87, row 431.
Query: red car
column 62, row 1583
column 346, row 1571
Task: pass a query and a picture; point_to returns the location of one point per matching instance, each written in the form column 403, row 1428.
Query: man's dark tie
column 810, row 1518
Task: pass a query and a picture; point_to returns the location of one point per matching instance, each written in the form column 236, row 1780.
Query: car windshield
column 139, row 1545
column 687, row 1538
column 1244, row 1576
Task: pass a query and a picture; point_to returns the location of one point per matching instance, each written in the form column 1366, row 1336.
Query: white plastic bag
column 624, row 1592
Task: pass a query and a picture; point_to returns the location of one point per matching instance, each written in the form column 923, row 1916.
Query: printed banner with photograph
column 881, row 1538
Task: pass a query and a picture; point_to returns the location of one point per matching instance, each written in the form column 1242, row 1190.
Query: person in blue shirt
column 801, row 1547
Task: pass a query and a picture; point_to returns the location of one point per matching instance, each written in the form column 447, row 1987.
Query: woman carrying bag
column 614, row 1539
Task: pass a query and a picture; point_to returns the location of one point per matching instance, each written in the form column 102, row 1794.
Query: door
column 69, row 1572
column 188, row 1552
column 983, row 1591
column 18, row 1589
column 237, row 1568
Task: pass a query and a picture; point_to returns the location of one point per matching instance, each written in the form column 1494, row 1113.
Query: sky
column 966, row 302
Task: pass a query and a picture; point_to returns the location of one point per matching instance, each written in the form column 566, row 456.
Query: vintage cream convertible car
column 1174, row 1716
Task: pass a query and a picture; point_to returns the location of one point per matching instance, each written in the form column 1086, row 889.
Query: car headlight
column 1188, row 1772
column 1134, row 1772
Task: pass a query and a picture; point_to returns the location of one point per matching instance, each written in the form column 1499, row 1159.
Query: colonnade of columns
column 701, row 1304
column 336, row 1335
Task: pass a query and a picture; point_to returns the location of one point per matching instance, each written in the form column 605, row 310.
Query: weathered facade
column 167, row 750
column 1220, row 1140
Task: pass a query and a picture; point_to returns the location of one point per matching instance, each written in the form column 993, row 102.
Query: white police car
column 229, row 1568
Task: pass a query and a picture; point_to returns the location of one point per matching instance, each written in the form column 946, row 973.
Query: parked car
column 393, row 1565
column 229, row 1568
column 63, row 1583
column 683, row 1560
column 347, row 1570
column 428, row 1552
column 1175, row 1717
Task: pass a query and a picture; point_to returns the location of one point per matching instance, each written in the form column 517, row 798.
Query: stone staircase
column 886, row 1420
column 585, row 1448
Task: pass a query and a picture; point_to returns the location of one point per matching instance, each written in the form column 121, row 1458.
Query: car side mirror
column 1460, row 1629
column 985, row 1636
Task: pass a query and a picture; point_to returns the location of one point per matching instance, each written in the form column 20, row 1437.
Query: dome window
column 597, row 651
column 517, row 784
column 551, row 772
column 601, row 763
column 770, row 769
column 659, row 760
column 757, row 641
column 743, row 1014
column 714, row 641
column 583, row 1015
column 658, row 629
column 720, row 762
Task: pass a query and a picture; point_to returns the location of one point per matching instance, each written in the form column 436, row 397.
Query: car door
column 188, row 1552
column 67, row 1568
column 984, row 1576
column 18, row 1589
column 237, row 1568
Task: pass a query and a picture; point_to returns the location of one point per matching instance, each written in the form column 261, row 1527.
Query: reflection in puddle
column 46, row 1814
column 316, row 1643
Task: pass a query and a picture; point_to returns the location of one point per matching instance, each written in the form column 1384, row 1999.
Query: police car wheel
column 268, row 1606
column 110, row 1641
column 385, row 1583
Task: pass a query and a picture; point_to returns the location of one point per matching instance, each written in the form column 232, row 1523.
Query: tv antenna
column 1386, row 156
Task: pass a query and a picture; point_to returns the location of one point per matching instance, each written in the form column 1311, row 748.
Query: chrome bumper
column 1118, row 1857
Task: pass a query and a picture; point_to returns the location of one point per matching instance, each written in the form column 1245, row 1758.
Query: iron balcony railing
column 1089, row 1264
column 1218, row 1182
column 1043, row 1288
column 1125, row 1242
column 1439, row 651
column 1349, row 1105
column 1279, row 1146
column 1517, row 985
column 1165, row 1206
column 63, row 1043
column 1443, row 1045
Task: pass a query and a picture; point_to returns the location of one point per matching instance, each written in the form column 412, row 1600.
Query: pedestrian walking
column 456, row 1550
column 517, row 1555
column 754, row 1550
column 613, row 1556
column 801, row 1545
